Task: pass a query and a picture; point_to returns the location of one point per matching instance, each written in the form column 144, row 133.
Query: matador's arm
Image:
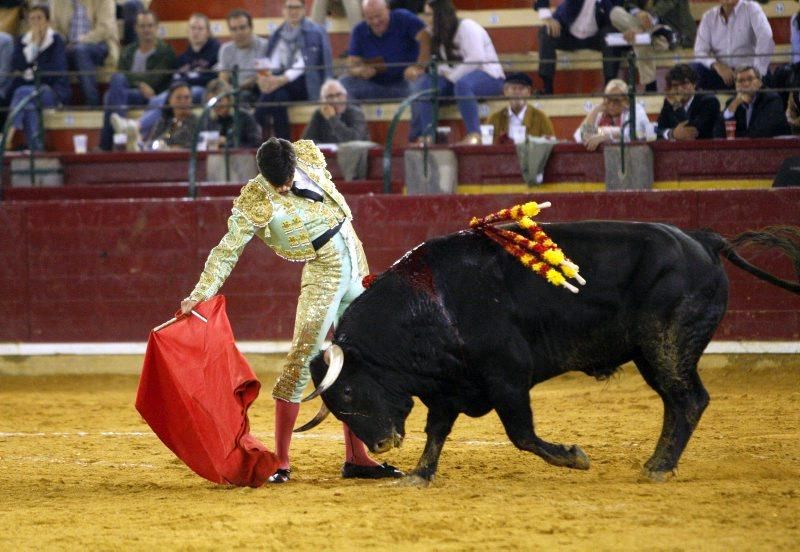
column 223, row 257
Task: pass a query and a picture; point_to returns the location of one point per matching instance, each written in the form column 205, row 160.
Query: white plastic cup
column 120, row 141
column 81, row 143
column 212, row 140
column 517, row 134
column 487, row 135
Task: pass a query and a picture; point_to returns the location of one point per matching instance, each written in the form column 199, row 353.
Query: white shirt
column 515, row 121
column 745, row 39
column 585, row 25
column 477, row 52
column 304, row 182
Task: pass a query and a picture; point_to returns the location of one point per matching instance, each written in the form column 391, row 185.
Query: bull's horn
column 335, row 364
column 315, row 421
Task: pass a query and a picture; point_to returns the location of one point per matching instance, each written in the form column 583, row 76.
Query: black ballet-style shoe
column 280, row 476
column 354, row 471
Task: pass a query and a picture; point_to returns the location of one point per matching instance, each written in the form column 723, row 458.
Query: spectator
column 787, row 76
column 243, row 50
column 472, row 70
column 662, row 38
column 604, row 123
column 40, row 49
column 300, row 60
column 382, row 50
column 758, row 114
column 519, row 114
column 732, row 34
column 687, row 115
column 90, row 29
column 221, row 118
column 127, row 11
column 177, row 127
column 195, row 68
column 11, row 16
column 674, row 13
column 351, row 8
column 6, row 55
column 143, row 72
column 575, row 25
column 336, row 120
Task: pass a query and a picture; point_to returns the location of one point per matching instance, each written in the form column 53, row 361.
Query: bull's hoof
column 567, row 457
column 658, row 476
column 413, row 480
column 581, row 461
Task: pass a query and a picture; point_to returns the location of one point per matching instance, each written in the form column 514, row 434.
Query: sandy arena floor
column 79, row 469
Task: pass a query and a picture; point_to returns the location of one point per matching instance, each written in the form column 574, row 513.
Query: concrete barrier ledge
column 47, row 359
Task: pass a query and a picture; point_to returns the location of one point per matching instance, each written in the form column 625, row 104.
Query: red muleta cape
column 194, row 393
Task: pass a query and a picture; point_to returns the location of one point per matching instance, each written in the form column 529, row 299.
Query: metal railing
column 631, row 122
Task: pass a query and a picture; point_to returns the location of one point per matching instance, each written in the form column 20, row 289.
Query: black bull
column 464, row 326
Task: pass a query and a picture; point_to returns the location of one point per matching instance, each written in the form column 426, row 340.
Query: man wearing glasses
column 336, row 120
column 758, row 113
column 243, row 50
column 299, row 60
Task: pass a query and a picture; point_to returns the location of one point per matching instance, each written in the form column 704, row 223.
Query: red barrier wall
column 109, row 270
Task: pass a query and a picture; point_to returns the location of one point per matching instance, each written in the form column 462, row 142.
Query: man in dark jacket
column 575, row 25
column 300, row 60
column 336, row 120
column 758, row 114
column 144, row 71
column 687, row 115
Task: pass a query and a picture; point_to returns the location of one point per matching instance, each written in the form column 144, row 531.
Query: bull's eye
column 347, row 393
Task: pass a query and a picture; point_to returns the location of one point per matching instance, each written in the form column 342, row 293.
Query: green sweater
column 162, row 60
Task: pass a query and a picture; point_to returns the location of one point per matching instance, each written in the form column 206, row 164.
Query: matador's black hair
column 276, row 161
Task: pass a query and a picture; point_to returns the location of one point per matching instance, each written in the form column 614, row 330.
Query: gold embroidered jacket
column 278, row 220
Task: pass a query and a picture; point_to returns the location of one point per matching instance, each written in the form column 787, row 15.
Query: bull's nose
column 383, row 445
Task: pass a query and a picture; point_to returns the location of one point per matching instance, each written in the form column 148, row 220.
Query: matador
column 294, row 208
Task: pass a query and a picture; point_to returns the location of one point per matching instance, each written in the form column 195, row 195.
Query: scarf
column 288, row 43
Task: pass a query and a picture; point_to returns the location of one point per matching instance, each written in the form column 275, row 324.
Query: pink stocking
column 355, row 450
column 285, row 417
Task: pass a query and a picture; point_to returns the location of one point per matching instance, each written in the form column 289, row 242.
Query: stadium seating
column 512, row 25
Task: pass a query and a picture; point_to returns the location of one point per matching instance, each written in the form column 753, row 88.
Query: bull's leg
column 440, row 423
column 517, row 417
column 684, row 399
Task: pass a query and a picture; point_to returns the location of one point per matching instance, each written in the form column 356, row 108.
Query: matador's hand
column 187, row 305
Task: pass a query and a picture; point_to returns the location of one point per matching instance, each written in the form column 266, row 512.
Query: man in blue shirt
column 386, row 52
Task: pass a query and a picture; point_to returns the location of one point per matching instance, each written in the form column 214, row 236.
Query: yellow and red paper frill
column 537, row 251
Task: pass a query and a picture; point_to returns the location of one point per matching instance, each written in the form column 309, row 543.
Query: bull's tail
column 784, row 238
